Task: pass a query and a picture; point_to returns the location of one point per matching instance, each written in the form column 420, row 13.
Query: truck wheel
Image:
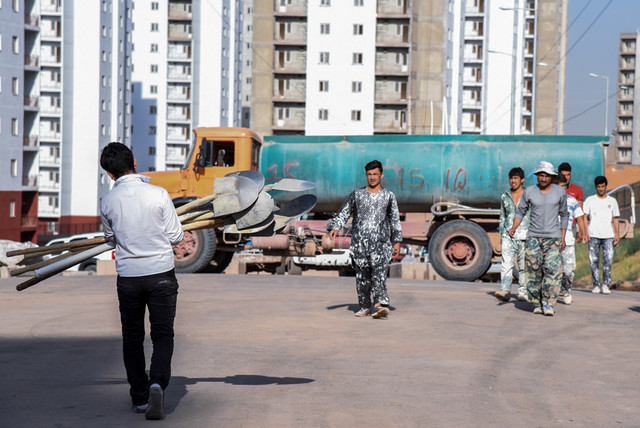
column 293, row 268
column 460, row 250
column 195, row 252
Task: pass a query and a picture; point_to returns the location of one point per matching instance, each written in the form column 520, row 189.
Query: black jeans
column 159, row 292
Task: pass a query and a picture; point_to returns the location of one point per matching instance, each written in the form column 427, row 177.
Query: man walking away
column 376, row 225
column 142, row 221
column 543, row 263
column 603, row 213
column 512, row 248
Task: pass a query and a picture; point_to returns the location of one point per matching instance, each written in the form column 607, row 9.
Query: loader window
column 223, row 153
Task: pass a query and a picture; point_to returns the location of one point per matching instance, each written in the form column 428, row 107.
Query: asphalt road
column 285, row 351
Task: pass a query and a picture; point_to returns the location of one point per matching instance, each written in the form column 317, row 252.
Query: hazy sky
column 595, row 52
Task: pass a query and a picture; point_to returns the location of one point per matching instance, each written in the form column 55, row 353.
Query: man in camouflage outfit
column 546, row 240
column 512, row 248
column 376, row 225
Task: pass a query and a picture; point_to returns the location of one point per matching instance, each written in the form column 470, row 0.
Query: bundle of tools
column 240, row 205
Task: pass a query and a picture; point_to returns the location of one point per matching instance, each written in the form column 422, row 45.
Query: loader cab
column 218, row 152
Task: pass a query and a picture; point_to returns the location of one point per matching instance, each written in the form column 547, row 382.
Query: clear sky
column 595, row 51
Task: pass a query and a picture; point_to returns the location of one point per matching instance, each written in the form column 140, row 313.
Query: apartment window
column 15, row 86
column 283, row 113
column 153, row 89
column 325, row 28
column 14, row 126
column 103, row 79
column 357, row 58
column 12, row 208
column 155, row 5
column 401, row 58
column 324, row 86
column 358, row 29
column 154, row 26
column 152, row 130
column 153, row 109
column 16, row 45
column 104, row 6
column 154, row 68
column 104, row 31
column 323, row 114
column 14, row 167
column 152, row 151
column 325, row 2
column 103, row 105
column 154, row 47
column 324, row 57
column 358, row 3
column 16, row 5
column 104, row 56
column 356, row 115
column 356, row 87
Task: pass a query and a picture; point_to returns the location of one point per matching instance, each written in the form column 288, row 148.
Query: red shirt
column 575, row 191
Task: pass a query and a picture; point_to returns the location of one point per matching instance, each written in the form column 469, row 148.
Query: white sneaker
column 567, row 299
column 523, row 297
column 596, row 290
column 605, row 290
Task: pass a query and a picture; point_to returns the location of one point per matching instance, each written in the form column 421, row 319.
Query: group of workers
column 536, row 225
column 540, row 226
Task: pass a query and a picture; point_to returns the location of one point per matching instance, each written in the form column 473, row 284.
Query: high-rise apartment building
column 84, row 105
column 627, row 143
column 187, row 73
column 19, row 104
column 408, row 66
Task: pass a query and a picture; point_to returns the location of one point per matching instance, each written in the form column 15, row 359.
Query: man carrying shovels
column 141, row 220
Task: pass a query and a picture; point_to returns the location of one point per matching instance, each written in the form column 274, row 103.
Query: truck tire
column 292, row 268
column 460, row 250
column 195, row 252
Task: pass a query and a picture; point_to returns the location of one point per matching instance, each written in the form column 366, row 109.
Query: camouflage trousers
column 594, row 260
column 568, row 268
column 543, row 269
column 371, row 276
column 512, row 251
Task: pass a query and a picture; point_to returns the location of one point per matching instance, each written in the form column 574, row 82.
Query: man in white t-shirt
column 603, row 214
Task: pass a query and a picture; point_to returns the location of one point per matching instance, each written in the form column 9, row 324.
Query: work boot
column 502, row 295
column 363, row 312
column 379, row 311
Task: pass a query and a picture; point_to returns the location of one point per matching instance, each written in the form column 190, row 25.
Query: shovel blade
column 291, row 185
column 236, row 194
column 255, row 214
column 233, row 228
column 254, row 176
column 298, row 206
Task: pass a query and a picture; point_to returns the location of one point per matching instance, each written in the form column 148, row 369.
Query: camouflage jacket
column 508, row 213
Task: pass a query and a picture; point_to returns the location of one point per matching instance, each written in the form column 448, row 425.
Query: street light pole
column 606, row 102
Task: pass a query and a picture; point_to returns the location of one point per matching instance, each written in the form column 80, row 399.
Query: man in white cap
column 545, row 242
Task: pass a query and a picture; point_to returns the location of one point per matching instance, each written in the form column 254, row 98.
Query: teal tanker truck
column 448, row 187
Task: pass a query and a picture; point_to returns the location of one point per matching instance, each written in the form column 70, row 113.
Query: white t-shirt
column 574, row 212
column 601, row 212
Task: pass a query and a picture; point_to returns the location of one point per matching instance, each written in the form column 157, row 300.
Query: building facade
column 187, row 73
column 627, row 137
column 19, row 106
column 84, row 101
column 408, row 66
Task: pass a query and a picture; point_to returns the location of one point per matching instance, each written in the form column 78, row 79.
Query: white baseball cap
column 546, row 167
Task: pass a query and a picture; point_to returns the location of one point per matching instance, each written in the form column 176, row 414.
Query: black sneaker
column 156, row 403
column 142, row 408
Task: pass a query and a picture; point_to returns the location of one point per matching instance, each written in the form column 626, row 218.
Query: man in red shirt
column 572, row 190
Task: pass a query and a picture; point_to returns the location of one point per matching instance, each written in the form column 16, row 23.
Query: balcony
column 296, row 8
column 180, row 52
column 627, row 63
column 290, row 118
column 32, row 61
column 474, row 9
column 624, row 139
column 179, row 116
column 50, row 186
column 391, row 9
column 391, row 92
column 390, row 121
column 50, row 110
column 291, row 61
column 49, row 85
column 291, row 90
column 29, row 221
column 30, row 181
column 31, row 102
column 175, row 157
column 177, row 138
column 178, row 12
column 297, row 34
column 625, row 112
column 49, row 8
column 32, row 20
column 392, row 63
column 178, row 97
column 179, row 36
column 50, row 135
column 182, row 77
column 49, row 161
column 392, row 35
column 31, row 141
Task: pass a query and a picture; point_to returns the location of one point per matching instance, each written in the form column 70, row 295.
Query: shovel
column 290, row 185
column 254, row 176
column 230, row 195
column 259, row 212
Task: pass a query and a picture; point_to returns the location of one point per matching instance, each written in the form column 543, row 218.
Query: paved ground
column 283, row 351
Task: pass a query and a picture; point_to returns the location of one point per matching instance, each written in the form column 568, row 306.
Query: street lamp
column 606, row 102
column 513, row 87
column 560, row 95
